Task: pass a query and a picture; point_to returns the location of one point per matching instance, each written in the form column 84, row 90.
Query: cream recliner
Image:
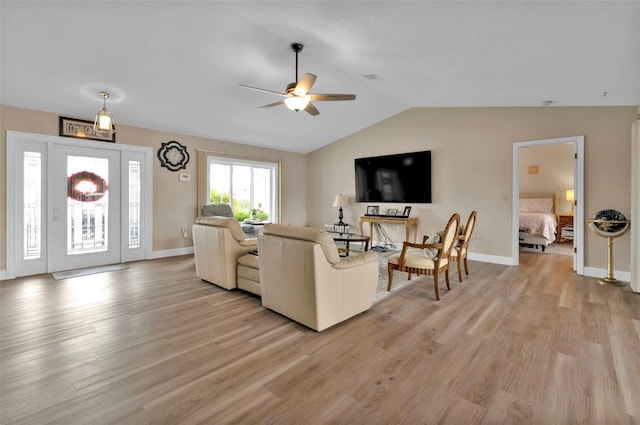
column 303, row 277
column 217, row 244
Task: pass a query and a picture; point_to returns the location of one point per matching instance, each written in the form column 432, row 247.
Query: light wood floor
column 154, row 344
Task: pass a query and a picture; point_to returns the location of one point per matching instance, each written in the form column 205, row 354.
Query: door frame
column 578, row 183
column 14, row 138
column 58, row 258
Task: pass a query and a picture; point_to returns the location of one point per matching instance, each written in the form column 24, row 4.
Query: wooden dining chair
column 417, row 258
column 459, row 252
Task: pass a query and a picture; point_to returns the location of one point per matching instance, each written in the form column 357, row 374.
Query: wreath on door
column 85, row 186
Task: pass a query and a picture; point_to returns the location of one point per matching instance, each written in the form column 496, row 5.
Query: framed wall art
column 83, row 129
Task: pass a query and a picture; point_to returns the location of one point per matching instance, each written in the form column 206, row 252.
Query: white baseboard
column 154, row 255
column 171, row 253
column 493, row 259
column 601, row 273
column 596, row 272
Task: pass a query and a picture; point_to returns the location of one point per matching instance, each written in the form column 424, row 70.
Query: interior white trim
column 578, row 213
column 493, row 259
column 600, row 273
column 15, row 137
column 171, row 252
column 634, row 278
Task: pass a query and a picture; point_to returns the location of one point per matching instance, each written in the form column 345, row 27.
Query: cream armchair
column 217, row 243
column 303, row 278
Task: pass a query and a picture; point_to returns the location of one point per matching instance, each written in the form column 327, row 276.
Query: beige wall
column 555, row 171
column 174, row 202
column 472, row 167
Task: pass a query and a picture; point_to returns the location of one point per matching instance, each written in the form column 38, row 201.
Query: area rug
column 399, row 279
column 87, row 271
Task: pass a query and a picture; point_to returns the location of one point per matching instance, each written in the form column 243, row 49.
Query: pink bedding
column 543, row 224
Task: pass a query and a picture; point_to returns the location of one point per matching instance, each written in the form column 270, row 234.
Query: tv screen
column 404, row 178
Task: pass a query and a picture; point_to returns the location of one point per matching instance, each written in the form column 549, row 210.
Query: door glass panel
column 87, row 204
column 32, row 232
column 134, row 204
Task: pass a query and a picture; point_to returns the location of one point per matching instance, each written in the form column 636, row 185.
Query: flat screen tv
column 403, row 178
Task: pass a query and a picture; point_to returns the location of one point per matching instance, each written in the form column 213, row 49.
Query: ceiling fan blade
column 271, row 105
column 311, row 109
column 263, row 90
column 334, row 96
column 304, row 85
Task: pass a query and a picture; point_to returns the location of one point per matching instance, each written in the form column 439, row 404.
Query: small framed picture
column 373, row 210
column 406, row 212
column 392, row 211
column 82, row 129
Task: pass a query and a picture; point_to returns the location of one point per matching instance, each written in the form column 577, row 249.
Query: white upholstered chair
column 303, row 277
column 218, row 242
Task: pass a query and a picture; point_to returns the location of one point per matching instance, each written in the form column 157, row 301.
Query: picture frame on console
column 392, row 211
column 373, row 210
column 406, row 212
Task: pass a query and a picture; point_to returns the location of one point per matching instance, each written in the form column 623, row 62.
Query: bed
column 538, row 219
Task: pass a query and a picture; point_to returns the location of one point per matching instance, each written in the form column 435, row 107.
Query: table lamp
column 569, row 197
column 341, row 201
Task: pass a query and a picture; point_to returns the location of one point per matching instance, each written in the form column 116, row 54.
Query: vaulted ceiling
column 176, row 65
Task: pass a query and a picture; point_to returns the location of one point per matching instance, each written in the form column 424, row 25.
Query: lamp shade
column 104, row 119
column 569, row 195
column 341, row 201
column 296, row 103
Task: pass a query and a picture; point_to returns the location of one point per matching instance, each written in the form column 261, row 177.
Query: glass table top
column 348, row 236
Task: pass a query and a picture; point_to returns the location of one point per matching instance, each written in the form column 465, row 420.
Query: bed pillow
column 536, row 205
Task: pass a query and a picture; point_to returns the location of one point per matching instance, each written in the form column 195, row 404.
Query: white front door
column 85, row 208
column 75, row 203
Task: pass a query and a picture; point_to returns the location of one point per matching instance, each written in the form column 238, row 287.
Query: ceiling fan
column 296, row 95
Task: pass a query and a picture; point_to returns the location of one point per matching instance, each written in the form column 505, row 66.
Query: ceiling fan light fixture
column 296, row 95
column 296, row 103
column 104, row 119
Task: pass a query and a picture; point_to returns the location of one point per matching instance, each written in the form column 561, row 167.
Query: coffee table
column 350, row 237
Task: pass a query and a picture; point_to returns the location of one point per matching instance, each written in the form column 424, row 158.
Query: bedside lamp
column 341, row 201
column 569, row 197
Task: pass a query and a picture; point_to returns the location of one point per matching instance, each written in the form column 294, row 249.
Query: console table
column 408, row 223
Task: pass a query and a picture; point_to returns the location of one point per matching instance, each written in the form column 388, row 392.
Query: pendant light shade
column 296, row 103
column 104, row 120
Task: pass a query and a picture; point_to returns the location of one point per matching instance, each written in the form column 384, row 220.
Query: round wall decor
column 173, row 155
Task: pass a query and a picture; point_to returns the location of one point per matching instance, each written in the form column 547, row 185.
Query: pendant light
column 104, row 120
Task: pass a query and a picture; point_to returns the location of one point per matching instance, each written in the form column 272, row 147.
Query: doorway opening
column 540, row 178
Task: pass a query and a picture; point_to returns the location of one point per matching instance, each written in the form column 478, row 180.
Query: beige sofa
column 218, row 242
column 303, row 278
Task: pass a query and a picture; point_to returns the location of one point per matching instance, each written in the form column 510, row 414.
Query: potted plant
column 253, row 213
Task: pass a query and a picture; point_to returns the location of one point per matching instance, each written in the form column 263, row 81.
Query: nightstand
column 565, row 228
